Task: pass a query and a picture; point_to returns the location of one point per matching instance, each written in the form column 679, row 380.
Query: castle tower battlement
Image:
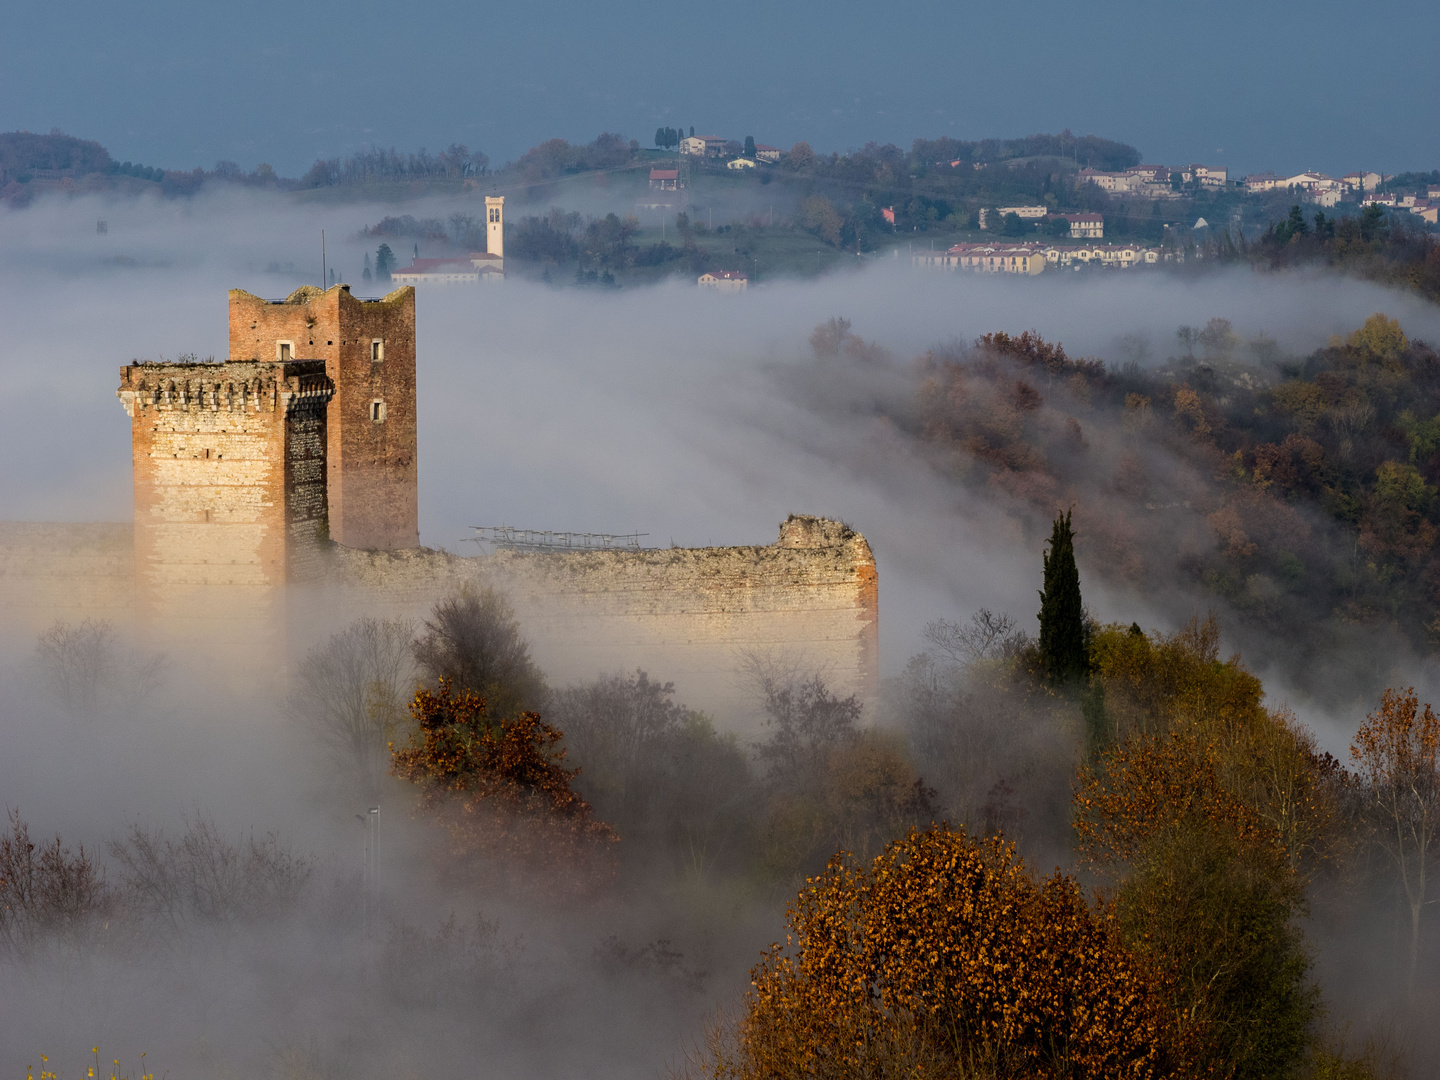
column 231, row 387
column 368, row 349
column 229, row 464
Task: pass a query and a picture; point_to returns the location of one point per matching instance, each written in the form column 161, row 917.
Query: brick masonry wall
column 371, row 464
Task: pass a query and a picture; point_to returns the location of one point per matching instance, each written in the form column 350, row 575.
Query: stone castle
column 276, row 497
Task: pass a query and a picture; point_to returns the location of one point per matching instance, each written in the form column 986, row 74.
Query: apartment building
column 1083, row 226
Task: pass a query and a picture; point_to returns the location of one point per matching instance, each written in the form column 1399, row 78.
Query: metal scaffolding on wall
column 509, row 538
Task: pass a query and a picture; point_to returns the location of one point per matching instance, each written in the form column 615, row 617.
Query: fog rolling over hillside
column 694, row 418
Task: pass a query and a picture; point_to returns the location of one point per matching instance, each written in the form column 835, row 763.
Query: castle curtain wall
column 694, row 616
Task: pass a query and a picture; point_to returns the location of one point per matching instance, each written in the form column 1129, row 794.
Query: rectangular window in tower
column 284, row 350
column 377, row 350
column 377, row 410
column 494, row 213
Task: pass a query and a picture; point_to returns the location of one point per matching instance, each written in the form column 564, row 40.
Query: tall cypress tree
column 1062, row 615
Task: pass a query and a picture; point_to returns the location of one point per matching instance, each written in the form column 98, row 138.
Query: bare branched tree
column 85, row 666
column 987, row 636
column 78, row 663
column 202, row 878
column 44, row 889
column 456, row 962
column 805, row 719
column 654, row 768
column 615, row 725
column 352, row 693
column 473, row 640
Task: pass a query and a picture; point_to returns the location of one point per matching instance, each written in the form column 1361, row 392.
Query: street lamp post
column 370, row 873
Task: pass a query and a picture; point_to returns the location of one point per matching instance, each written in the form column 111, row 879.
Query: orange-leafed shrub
column 499, row 786
column 945, row 956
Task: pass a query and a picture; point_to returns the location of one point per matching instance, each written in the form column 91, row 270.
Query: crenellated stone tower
column 368, row 349
column 229, row 481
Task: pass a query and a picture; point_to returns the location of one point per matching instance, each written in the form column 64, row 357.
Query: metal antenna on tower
column 324, row 266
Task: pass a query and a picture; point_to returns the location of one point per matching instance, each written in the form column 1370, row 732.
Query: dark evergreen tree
column 1062, row 614
column 749, row 146
column 384, row 262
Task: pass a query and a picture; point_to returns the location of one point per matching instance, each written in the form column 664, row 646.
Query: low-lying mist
column 692, row 417
column 661, row 410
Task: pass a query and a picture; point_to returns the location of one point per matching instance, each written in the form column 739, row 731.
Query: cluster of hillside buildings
column 1158, row 182
column 1155, row 181
column 1316, row 184
column 1425, row 206
column 717, row 146
column 709, row 146
column 1362, row 187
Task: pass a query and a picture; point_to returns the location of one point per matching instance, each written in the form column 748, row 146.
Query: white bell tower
column 495, row 225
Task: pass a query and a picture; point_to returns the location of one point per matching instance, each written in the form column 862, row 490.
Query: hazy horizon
column 1225, row 84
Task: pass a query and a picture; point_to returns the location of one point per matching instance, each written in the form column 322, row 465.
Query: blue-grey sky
column 1254, row 84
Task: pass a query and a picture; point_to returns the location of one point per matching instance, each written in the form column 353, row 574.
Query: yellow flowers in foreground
column 115, row 1071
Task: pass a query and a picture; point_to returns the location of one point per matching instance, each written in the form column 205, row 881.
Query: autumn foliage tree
column 946, row 956
column 1320, row 474
column 498, row 785
column 1397, row 750
column 1208, row 813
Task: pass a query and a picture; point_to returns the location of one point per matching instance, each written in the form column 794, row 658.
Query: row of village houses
column 1036, row 258
column 1156, row 181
